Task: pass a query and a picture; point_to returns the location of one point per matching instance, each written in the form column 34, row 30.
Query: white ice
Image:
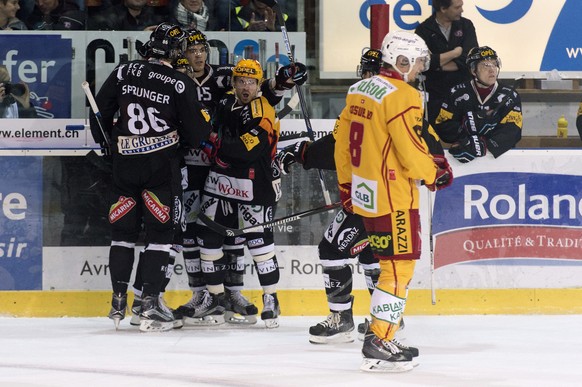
column 454, row 351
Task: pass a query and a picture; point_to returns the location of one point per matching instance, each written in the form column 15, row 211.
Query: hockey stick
column 294, row 136
column 95, row 108
column 291, row 105
column 302, row 102
column 226, row 231
column 431, row 244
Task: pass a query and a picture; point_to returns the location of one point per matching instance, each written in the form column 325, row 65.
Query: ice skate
column 362, row 328
column 155, row 316
column 336, row 328
column 118, row 308
column 189, row 307
column 209, row 312
column 384, row 356
column 239, row 310
column 413, row 351
column 178, row 323
column 135, row 311
column 271, row 310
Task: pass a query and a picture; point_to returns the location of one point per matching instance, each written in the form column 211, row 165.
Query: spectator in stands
column 55, row 15
column 14, row 98
column 449, row 37
column 130, row 15
column 191, row 14
column 256, row 15
column 8, row 19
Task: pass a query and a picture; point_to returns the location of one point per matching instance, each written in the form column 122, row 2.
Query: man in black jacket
column 449, row 37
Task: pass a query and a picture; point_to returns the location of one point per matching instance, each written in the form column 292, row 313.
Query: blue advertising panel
column 20, row 223
column 43, row 62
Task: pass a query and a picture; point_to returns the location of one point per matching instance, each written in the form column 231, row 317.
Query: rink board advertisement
column 21, row 223
column 531, row 37
column 43, row 62
column 505, row 223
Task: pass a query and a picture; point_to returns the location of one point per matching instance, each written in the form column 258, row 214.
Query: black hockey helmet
column 180, row 62
column 194, row 37
column 478, row 54
column 371, row 61
column 166, row 41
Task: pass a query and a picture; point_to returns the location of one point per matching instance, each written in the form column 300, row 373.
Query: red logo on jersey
column 251, row 173
column 157, row 209
column 121, row 208
column 392, row 174
column 357, row 249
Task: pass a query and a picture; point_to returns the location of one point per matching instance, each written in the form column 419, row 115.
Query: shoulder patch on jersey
column 444, row 115
column 249, row 140
column 205, row 114
column 256, row 108
column 375, row 88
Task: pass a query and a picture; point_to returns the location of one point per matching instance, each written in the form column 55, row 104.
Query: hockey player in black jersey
column 481, row 115
column 157, row 110
column 211, row 83
column 241, row 188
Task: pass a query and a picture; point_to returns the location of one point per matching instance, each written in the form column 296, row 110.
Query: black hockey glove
column 444, row 175
column 284, row 160
column 468, row 149
column 290, row 75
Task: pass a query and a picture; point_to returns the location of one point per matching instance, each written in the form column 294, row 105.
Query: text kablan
column 505, row 206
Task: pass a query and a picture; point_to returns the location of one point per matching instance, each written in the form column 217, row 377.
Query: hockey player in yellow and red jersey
column 380, row 156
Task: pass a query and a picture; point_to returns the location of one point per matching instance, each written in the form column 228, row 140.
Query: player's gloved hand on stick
column 211, row 146
column 345, row 191
column 444, row 175
column 290, row 75
column 285, row 159
column 468, row 149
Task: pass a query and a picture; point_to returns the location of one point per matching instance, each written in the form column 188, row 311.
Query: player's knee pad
column 214, row 268
column 267, row 269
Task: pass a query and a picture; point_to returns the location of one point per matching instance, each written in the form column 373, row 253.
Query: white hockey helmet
column 407, row 44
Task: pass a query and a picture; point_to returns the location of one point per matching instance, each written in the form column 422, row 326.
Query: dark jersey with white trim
column 157, row 108
column 211, row 87
column 248, row 134
column 502, row 107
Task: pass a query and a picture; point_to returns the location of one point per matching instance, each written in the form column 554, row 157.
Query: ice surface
column 454, row 351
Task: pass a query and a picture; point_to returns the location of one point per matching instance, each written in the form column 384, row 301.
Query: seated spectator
column 254, row 16
column 191, row 14
column 14, row 98
column 47, row 15
column 129, row 15
column 8, row 19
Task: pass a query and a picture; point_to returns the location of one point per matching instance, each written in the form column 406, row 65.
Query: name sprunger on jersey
column 145, row 93
column 130, row 145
